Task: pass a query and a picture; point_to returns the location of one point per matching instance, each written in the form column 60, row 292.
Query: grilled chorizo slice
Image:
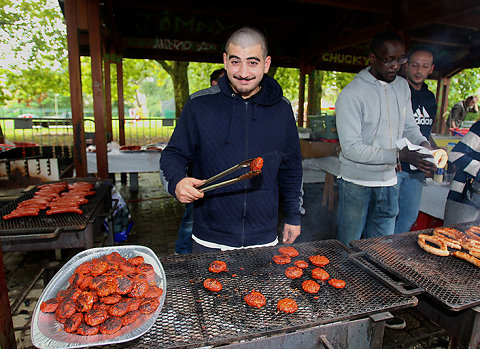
column 112, row 299
column 72, row 323
column 153, row 292
column 85, row 284
column 61, row 295
column 136, row 261
column 49, row 306
column 255, row 299
column 130, row 317
column 288, row 251
column 310, row 286
column 107, row 288
column 76, row 279
column 128, row 268
column 66, row 308
column 86, row 330
column 119, row 309
column 125, row 284
column 287, row 305
column 293, row 272
column 149, row 305
column 95, row 317
column 281, row 259
column 96, row 281
column 319, row 260
column 111, row 325
column 212, row 285
column 301, row 264
column 85, row 301
column 100, row 305
column 60, row 319
column 145, row 268
column 134, row 303
column 217, row 266
column 98, row 268
column 337, row 283
column 320, row 274
column 140, row 287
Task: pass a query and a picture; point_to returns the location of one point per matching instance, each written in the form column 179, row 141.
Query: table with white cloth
column 131, row 162
column 434, row 195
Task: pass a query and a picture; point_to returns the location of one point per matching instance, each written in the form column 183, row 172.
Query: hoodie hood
column 270, row 92
column 365, row 75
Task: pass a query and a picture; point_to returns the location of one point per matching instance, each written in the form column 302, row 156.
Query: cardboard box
column 318, row 149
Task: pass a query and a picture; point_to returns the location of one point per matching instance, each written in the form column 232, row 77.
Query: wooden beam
column 121, row 103
column 7, row 335
column 372, row 6
column 442, row 113
column 97, row 87
column 108, row 100
column 310, row 94
column 464, row 20
column 436, row 11
column 76, row 99
column 301, row 98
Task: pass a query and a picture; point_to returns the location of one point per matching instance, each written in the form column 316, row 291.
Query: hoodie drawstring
column 227, row 140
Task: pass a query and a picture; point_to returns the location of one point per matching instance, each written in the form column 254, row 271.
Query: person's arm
column 177, row 155
column 461, row 153
column 432, row 142
column 349, row 126
column 290, row 182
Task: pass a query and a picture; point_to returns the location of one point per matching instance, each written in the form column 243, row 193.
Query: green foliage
column 464, row 84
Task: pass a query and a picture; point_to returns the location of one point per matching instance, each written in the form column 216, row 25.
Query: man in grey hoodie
column 373, row 112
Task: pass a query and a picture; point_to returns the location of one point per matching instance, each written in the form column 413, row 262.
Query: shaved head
column 248, row 37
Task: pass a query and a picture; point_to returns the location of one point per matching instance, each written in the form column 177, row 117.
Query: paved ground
column 157, row 218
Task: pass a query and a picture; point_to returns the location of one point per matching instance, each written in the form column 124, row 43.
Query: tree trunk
column 178, row 72
column 317, row 92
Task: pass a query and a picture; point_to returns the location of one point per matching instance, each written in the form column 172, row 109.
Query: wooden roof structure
column 308, row 34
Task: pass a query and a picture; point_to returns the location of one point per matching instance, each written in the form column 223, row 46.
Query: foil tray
column 47, row 333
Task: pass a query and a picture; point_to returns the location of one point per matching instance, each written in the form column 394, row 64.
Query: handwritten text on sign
column 172, row 45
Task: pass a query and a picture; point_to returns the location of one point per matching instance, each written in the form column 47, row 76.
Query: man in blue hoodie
column 373, row 112
column 244, row 116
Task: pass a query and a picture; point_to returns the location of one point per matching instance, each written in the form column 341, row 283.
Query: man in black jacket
column 410, row 182
column 244, row 116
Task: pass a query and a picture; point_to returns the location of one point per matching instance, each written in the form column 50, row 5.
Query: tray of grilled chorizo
column 101, row 296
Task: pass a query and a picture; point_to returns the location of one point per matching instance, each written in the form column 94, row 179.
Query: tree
column 33, row 52
column 178, row 71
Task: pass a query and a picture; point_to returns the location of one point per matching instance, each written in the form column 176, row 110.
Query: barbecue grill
column 67, row 230
column 450, row 287
column 193, row 316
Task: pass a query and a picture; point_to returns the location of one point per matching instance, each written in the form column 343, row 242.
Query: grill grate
column 193, row 316
column 450, row 280
column 43, row 223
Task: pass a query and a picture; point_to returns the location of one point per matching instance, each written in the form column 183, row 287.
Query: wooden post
column 108, row 101
column 121, row 103
column 301, row 97
column 94, row 37
column 76, row 101
column 310, row 95
column 7, row 335
column 442, row 113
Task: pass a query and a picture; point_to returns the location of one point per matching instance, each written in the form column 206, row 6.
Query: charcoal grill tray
column 452, row 281
column 195, row 317
column 44, row 223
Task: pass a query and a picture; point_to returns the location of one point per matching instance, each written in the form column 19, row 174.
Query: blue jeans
column 183, row 245
column 365, row 211
column 410, row 186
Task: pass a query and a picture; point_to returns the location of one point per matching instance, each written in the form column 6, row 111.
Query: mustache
column 248, row 78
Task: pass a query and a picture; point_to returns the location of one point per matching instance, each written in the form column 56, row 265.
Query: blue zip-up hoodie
column 218, row 129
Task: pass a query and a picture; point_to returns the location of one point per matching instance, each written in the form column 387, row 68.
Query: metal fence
column 59, row 131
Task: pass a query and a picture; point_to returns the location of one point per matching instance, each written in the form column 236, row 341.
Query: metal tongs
column 248, row 175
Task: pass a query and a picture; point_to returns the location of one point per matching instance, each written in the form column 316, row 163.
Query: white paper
column 403, row 142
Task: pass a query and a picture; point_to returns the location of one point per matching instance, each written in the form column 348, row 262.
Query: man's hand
column 290, row 233
column 418, row 160
column 186, row 191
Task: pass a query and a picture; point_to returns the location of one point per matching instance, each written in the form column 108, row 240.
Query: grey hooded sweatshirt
column 371, row 117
